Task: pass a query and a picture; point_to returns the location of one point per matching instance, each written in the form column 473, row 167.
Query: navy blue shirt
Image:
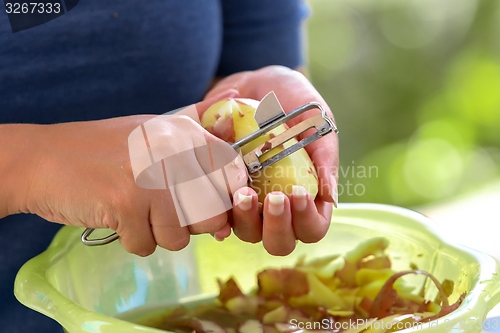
column 113, row 58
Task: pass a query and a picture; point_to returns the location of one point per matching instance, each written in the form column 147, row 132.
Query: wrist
column 18, row 162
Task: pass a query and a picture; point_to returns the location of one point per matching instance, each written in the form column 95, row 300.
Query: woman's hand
column 285, row 219
column 81, row 174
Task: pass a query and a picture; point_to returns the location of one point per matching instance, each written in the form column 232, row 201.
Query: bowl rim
column 33, row 290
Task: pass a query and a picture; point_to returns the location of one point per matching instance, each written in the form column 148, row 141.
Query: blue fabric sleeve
column 259, row 33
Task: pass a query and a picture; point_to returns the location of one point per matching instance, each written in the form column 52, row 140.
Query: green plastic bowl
column 85, row 289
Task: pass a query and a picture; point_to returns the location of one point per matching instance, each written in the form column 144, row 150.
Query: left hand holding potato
column 285, row 219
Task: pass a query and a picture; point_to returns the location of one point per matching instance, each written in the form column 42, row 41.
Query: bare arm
column 18, row 161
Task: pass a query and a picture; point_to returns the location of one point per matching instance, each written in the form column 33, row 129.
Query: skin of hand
column 80, row 174
column 285, row 219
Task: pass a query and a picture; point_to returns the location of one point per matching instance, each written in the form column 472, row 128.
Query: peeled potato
column 233, row 119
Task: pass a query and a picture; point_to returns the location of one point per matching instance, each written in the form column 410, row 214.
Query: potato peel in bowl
column 357, row 292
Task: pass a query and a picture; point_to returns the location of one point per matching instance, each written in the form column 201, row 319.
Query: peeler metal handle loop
column 97, row 241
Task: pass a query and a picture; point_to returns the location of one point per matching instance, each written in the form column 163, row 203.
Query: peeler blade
column 269, row 110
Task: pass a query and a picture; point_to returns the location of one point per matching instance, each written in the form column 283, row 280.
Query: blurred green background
column 415, row 89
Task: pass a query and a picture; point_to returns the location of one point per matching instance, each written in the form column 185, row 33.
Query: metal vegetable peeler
column 269, row 115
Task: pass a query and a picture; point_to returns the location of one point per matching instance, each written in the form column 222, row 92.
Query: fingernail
column 244, row 201
column 334, row 194
column 299, row 195
column 276, row 203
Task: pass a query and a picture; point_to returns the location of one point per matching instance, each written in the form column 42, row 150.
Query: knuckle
column 141, row 250
column 313, row 235
column 253, row 240
column 280, row 251
column 106, row 219
column 314, row 238
column 178, row 244
column 248, row 237
column 185, row 120
column 145, row 251
column 210, row 225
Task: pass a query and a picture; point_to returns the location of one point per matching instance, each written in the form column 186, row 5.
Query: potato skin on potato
column 233, row 119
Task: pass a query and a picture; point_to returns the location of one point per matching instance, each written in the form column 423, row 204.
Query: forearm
column 18, row 160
